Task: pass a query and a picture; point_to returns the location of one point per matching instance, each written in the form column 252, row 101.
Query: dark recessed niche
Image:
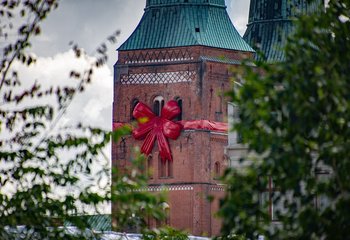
column 197, row 29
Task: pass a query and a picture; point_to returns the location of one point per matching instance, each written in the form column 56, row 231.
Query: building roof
column 178, row 23
column 270, row 23
column 101, row 222
column 221, row 60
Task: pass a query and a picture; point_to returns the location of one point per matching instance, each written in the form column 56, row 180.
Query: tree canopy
column 295, row 122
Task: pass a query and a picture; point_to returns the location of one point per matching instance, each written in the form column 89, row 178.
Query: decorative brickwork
column 168, row 188
column 158, row 56
column 158, row 78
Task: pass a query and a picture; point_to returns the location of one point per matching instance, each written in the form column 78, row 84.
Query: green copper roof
column 95, row 222
column 221, row 60
column 176, row 23
column 270, row 23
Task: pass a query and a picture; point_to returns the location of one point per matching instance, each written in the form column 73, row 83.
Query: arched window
column 165, row 168
column 166, row 210
column 179, row 102
column 217, row 170
column 134, row 102
column 162, row 168
column 158, row 104
column 122, row 149
column 170, row 168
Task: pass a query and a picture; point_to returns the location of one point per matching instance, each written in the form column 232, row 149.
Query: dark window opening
column 156, row 108
column 122, row 149
column 158, row 104
column 217, row 170
column 170, row 168
column 236, row 119
column 166, row 209
column 163, row 172
column 179, row 103
column 197, row 29
column 165, row 168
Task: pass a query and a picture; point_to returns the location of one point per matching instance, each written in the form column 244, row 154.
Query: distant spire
column 270, row 22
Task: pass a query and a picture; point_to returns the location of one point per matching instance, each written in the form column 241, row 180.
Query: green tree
column 295, row 122
column 45, row 172
column 42, row 168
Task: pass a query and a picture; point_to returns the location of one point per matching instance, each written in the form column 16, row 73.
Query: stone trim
column 218, row 189
column 159, row 56
column 166, row 188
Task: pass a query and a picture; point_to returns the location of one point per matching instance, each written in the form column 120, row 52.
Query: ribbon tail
column 148, row 143
column 204, row 125
column 164, row 149
column 143, row 130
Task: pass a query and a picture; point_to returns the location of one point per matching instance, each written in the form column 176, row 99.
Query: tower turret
column 270, row 22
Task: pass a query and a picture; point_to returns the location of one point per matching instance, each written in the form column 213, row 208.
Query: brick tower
column 182, row 51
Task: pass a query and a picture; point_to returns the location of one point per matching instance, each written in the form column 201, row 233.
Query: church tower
column 271, row 21
column 173, row 70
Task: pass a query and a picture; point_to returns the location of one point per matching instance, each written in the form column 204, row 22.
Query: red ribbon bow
column 157, row 128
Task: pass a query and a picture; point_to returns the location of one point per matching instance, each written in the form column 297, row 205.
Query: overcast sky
column 89, row 22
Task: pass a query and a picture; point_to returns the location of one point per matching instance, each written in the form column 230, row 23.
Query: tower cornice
column 153, row 3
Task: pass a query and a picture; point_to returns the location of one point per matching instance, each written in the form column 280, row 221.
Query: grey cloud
column 89, row 22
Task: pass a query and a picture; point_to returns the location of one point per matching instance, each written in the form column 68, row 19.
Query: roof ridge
column 150, row 3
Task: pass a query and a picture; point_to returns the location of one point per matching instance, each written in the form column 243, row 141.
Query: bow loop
column 157, row 128
column 170, row 110
column 142, row 112
column 171, row 129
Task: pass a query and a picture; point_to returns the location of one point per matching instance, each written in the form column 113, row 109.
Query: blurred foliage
column 50, row 174
column 165, row 233
column 133, row 204
column 295, row 122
